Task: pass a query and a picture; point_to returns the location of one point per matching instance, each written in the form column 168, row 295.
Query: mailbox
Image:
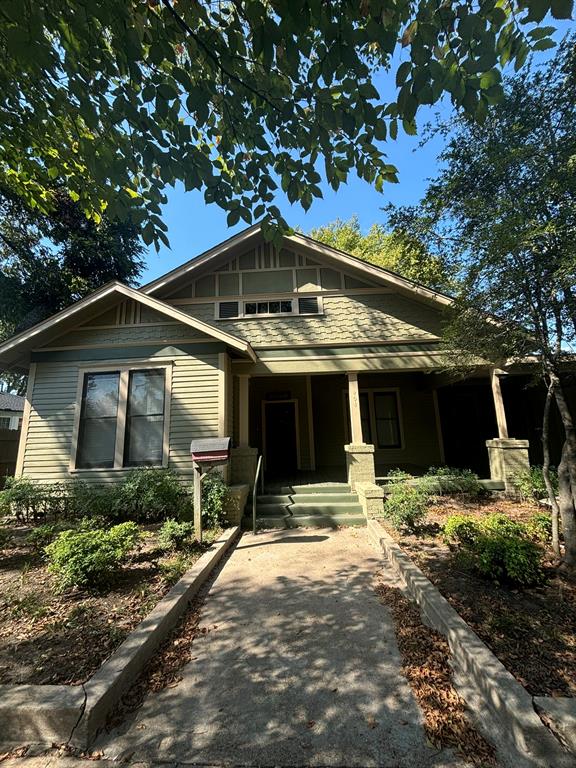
column 213, row 451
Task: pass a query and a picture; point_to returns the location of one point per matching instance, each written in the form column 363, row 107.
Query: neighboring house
column 11, row 412
column 324, row 364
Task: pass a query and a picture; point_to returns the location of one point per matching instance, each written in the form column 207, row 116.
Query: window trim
column 371, row 391
column 124, row 371
column 243, row 300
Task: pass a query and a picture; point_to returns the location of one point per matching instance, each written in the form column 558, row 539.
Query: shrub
column 406, row 505
column 175, row 535
column 214, row 495
column 497, row 548
column 150, row 495
column 530, row 483
column 42, row 535
column 22, row 498
column 89, row 558
column 540, row 526
column 5, row 537
column 173, row 570
column 451, row 480
column 462, row 529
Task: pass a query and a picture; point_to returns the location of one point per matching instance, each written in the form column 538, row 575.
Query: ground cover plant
column 54, row 633
column 529, row 623
column 81, row 565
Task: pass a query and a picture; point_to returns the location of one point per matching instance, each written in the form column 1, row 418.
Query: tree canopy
column 504, row 207
column 397, row 251
column 48, row 262
column 116, row 101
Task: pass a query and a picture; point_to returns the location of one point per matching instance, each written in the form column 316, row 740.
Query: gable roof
column 11, row 402
column 14, row 351
column 314, row 247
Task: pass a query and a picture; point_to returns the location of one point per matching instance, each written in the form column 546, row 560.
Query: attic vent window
column 308, row 306
column 228, row 309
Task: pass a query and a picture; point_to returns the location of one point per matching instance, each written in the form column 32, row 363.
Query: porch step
column 308, row 498
column 322, row 505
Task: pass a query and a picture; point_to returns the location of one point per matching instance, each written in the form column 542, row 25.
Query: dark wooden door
column 281, row 447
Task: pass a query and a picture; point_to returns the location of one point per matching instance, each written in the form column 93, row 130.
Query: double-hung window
column 122, row 420
column 379, row 416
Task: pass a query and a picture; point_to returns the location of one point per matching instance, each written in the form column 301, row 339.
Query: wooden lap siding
column 194, row 410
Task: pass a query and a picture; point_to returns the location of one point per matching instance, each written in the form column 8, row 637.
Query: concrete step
column 305, row 498
column 336, row 508
column 305, row 521
column 315, row 488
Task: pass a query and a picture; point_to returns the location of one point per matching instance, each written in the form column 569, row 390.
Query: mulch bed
column 51, row 638
column 532, row 631
column 425, row 663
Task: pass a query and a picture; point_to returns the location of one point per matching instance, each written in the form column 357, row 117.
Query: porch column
column 498, row 403
column 508, row 456
column 243, row 459
column 359, row 455
column 244, row 411
column 354, row 401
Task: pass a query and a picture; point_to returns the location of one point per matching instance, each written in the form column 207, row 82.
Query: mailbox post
column 206, row 454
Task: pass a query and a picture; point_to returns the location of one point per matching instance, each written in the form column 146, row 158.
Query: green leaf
column 402, row 73
column 562, row 9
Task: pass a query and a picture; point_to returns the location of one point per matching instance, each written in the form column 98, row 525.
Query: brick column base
column 508, row 457
column 243, row 463
column 360, row 464
column 371, row 497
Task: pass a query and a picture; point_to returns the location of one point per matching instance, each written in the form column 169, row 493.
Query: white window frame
column 371, row 391
column 124, row 370
column 260, row 300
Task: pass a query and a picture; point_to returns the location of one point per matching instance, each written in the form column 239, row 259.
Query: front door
column 281, row 446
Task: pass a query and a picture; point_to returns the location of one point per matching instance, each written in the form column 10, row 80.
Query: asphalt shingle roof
column 11, row 402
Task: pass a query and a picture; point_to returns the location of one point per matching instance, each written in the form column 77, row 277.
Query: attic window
column 228, row 309
column 309, row 305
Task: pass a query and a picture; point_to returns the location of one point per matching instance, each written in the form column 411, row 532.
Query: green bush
column 214, row 495
column 149, row 495
column 89, row 558
column 461, row 529
column 496, row 548
column 5, row 537
column 530, row 483
column 405, row 506
column 172, row 570
column 451, row 480
column 175, row 535
column 42, row 535
column 540, row 526
column 22, row 498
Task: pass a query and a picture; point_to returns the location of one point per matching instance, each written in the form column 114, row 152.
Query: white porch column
column 355, row 417
column 244, row 411
column 359, row 455
column 498, row 403
column 243, row 458
column 508, row 457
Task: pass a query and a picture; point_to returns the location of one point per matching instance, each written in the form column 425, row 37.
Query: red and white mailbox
column 206, row 454
column 212, row 451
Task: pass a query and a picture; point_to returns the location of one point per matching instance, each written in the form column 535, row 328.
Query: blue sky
column 194, row 226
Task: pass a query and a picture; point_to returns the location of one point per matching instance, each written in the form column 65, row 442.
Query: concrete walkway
column 299, row 667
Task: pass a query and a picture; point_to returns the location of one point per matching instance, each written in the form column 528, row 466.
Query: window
column 122, row 419
column 379, row 416
column 4, row 422
column 98, row 420
column 144, row 418
column 311, row 305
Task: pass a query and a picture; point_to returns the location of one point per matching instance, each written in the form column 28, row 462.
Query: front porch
column 316, row 428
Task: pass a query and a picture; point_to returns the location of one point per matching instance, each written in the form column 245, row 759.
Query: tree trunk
column 554, row 508
column 567, row 510
column 566, row 475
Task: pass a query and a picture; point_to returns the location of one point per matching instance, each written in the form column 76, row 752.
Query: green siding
column 127, row 334
column 346, row 319
column 193, row 413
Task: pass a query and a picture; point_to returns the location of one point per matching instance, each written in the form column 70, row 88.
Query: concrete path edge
column 47, row 714
column 502, row 709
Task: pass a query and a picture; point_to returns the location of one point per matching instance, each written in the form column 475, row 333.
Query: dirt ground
column 532, row 631
column 52, row 638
